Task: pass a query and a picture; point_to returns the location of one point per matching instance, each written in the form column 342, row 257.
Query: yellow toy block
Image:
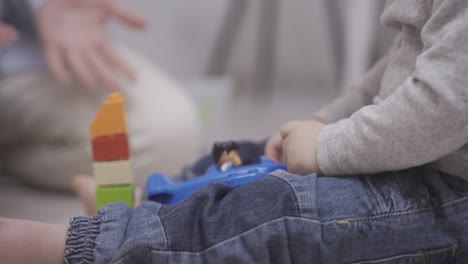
column 110, row 118
column 113, row 173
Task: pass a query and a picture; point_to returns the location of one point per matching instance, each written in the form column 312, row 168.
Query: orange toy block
column 110, row 148
column 110, row 118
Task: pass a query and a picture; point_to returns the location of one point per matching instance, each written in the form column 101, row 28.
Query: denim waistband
column 334, row 198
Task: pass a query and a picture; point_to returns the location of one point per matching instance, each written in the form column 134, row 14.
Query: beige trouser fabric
column 44, row 137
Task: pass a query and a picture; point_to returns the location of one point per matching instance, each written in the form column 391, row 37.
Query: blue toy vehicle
column 160, row 188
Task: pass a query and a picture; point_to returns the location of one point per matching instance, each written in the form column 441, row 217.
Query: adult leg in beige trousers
column 44, row 137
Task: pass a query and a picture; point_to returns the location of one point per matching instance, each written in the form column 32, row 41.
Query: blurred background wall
column 251, row 65
column 270, row 60
column 310, row 43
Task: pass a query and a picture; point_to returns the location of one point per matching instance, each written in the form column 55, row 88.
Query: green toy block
column 110, row 194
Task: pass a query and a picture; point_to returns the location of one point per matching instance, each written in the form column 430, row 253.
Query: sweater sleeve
column 425, row 118
column 356, row 97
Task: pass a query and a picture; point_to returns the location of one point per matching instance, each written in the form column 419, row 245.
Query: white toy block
column 113, row 173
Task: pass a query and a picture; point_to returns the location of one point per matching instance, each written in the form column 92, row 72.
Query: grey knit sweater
column 411, row 108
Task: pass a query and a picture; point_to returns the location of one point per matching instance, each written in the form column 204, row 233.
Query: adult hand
column 76, row 41
column 7, row 34
column 295, row 145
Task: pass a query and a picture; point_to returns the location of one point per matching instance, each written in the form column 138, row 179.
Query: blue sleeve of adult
column 18, row 13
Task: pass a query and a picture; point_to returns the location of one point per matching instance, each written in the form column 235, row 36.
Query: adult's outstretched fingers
column 115, row 59
column 102, row 70
column 56, row 64
column 125, row 15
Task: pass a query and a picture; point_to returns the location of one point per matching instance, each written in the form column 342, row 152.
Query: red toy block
column 110, row 148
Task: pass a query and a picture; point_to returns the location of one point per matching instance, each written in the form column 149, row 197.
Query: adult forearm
column 28, row 241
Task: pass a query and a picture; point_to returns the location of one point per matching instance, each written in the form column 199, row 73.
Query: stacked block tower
column 112, row 169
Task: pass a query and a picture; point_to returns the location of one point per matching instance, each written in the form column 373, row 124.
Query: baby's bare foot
column 85, row 187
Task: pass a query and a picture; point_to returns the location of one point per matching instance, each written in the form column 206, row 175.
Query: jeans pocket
column 395, row 192
column 435, row 256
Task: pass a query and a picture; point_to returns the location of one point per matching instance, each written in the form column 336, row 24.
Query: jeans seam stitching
column 164, row 234
column 419, row 254
column 224, row 241
column 390, row 215
column 456, row 201
column 166, row 240
column 380, row 216
column 294, row 191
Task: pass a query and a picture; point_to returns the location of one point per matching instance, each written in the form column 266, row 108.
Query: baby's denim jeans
column 417, row 215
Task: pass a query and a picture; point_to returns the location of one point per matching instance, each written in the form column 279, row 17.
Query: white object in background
column 213, row 97
column 179, row 35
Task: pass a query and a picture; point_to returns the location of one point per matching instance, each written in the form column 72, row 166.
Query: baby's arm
column 357, row 96
column 28, row 241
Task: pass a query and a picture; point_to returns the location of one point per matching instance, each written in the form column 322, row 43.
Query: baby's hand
column 295, row 145
column 274, row 147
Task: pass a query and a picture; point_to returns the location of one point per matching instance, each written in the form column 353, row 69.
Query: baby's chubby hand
column 295, row 145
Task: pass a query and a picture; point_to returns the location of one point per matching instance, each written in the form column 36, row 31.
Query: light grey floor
column 22, row 202
column 241, row 116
